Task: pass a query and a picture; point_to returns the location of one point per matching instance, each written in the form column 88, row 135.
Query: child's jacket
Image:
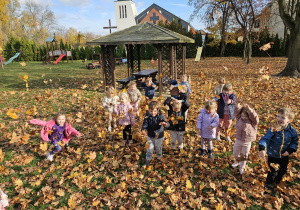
column 47, row 126
column 149, row 91
column 219, row 89
column 151, row 124
column 111, row 102
column 246, row 130
column 185, row 99
column 125, row 113
column 188, row 86
column 178, row 116
column 278, row 142
column 221, row 105
column 204, row 121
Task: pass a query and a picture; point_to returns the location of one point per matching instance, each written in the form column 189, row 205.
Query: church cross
column 109, row 27
column 154, row 18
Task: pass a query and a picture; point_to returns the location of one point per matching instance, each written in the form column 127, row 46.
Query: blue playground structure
column 12, row 58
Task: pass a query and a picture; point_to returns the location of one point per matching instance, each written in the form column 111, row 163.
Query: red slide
column 58, row 59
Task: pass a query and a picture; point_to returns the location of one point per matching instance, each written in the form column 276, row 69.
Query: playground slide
column 11, row 59
column 58, row 59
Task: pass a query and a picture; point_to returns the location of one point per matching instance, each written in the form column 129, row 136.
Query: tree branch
column 285, row 16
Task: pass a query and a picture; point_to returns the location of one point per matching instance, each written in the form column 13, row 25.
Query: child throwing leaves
column 219, row 88
column 184, row 97
column 226, row 103
column 109, row 102
column 174, row 91
column 3, row 200
column 149, row 87
column 126, row 117
column 56, row 130
column 153, row 128
column 207, row 123
column 135, row 97
column 184, row 81
column 281, row 140
column 177, row 121
column 246, row 130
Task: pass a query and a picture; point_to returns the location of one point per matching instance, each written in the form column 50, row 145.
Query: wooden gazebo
column 170, row 45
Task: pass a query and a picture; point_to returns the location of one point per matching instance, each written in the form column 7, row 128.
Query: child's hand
column 144, row 133
column 229, row 101
column 262, row 154
column 246, row 106
column 210, row 127
column 79, row 135
column 143, row 79
column 171, row 87
column 164, row 124
column 199, row 132
column 286, row 153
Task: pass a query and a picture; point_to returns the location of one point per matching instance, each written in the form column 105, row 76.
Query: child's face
column 61, row 120
column 123, row 100
column 244, row 116
column 132, row 87
column 183, row 79
column 148, row 84
column 210, row 111
column 227, row 92
column 153, row 112
column 282, row 120
column 110, row 95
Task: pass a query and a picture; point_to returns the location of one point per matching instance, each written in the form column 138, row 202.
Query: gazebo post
column 113, row 64
column 183, row 58
column 139, row 56
column 171, row 61
column 159, row 54
column 103, row 65
column 128, row 59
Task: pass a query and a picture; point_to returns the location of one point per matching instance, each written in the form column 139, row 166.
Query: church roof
column 143, row 33
column 168, row 15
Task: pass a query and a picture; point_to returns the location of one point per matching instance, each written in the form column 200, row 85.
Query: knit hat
column 173, row 82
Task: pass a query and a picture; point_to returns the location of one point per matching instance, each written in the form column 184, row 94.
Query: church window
column 147, row 12
column 125, row 12
column 160, row 11
column 120, row 11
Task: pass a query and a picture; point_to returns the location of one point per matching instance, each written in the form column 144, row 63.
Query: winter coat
column 205, row 120
column 246, row 130
column 151, row 124
column 278, row 142
column 180, row 126
column 134, row 95
column 185, row 105
column 185, row 99
column 47, row 126
column 221, row 105
column 125, row 113
column 149, row 91
column 111, row 102
column 188, row 86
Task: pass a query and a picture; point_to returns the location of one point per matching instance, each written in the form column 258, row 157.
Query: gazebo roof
column 51, row 39
column 143, row 33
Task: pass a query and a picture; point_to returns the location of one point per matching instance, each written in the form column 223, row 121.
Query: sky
column 93, row 15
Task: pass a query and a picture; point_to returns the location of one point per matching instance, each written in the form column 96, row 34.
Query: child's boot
column 49, row 156
column 218, row 138
column 147, row 163
column 109, row 129
column 227, row 138
column 210, row 153
column 130, row 142
column 202, row 152
column 124, row 143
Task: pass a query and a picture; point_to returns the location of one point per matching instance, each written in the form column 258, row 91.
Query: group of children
column 216, row 114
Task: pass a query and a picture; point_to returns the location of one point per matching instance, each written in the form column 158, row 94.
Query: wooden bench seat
column 125, row 81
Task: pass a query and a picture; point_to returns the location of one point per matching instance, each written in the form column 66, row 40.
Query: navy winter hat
column 173, row 82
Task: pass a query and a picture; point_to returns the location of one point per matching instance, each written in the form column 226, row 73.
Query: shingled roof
column 144, row 33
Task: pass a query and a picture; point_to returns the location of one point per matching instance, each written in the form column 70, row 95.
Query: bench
column 120, row 61
column 125, row 81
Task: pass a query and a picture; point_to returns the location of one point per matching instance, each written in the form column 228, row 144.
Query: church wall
column 150, row 14
column 125, row 17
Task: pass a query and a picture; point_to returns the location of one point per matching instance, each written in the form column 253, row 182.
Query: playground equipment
column 12, row 58
column 95, row 63
column 51, row 55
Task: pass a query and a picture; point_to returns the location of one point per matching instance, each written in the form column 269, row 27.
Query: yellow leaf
column 44, row 146
column 154, row 195
column 107, row 180
column 219, row 206
column 72, row 203
column 2, row 155
column 169, row 190
column 92, row 156
column 146, row 146
column 188, row 184
column 96, row 203
column 12, row 114
column 61, row 192
column 18, row 182
column 115, row 164
column 26, row 77
column 46, row 82
column 123, row 185
column 83, row 86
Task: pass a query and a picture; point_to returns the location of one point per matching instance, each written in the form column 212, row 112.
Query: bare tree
column 210, row 11
column 291, row 19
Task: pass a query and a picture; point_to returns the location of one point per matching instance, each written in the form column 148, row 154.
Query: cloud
column 76, row 3
column 41, row 2
column 179, row 5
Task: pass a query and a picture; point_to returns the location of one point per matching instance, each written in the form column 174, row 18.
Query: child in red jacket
column 55, row 131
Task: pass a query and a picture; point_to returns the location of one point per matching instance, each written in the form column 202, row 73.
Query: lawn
column 98, row 173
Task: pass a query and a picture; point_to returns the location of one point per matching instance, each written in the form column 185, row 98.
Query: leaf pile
column 98, row 172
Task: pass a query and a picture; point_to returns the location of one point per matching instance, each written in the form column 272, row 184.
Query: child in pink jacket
column 126, row 117
column 3, row 200
column 55, row 131
column 246, row 130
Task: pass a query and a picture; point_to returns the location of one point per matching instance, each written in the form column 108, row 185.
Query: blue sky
column 93, row 15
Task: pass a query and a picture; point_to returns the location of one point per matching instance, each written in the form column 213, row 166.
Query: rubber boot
column 202, row 152
column 210, row 153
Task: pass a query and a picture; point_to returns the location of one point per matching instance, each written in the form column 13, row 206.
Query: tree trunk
column 249, row 50
column 245, row 49
column 293, row 64
column 223, row 44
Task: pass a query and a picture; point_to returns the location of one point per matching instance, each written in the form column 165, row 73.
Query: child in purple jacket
column 207, row 123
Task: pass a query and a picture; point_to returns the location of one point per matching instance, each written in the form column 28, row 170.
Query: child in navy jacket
column 281, row 140
column 149, row 87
